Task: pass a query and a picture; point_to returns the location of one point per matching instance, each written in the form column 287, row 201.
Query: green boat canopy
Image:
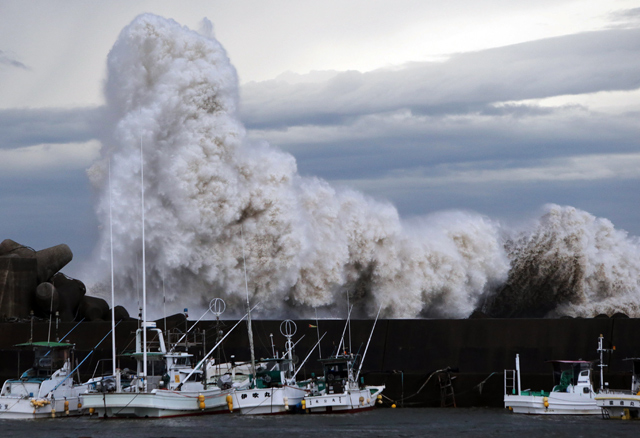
column 46, row 344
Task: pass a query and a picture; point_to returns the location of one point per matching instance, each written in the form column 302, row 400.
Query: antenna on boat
column 318, row 330
column 246, row 287
column 367, row 347
column 344, row 331
column 217, row 306
column 113, row 299
column 144, row 280
column 164, row 307
column 50, row 317
column 288, row 328
column 273, row 346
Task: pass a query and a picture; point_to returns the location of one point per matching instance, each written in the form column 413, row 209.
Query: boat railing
column 510, row 382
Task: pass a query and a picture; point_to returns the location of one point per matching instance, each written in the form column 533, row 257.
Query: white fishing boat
column 171, row 387
column 573, row 392
column 340, row 390
column 45, row 390
column 273, row 387
column 619, row 403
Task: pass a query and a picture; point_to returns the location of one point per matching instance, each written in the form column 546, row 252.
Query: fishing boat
column 573, row 392
column 273, row 388
column 171, row 387
column 45, row 390
column 619, row 403
column 340, row 390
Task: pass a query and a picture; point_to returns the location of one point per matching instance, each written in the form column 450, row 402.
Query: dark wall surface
column 402, row 353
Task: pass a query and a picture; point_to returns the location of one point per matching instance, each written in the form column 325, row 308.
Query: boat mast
column 144, row 282
column 113, row 301
column 246, row 287
column 349, row 322
column 601, row 365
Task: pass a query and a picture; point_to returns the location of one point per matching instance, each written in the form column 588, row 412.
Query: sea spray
column 572, row 264
column 173, row 92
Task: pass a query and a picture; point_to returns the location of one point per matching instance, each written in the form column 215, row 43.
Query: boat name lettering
column 267, row 395
column 243, row 396
column 255, row 395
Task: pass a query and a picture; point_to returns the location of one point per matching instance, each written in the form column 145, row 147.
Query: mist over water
column 210, row 192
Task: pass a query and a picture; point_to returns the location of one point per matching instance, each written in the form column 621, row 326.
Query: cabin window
column 584, row 373
column 585, row 390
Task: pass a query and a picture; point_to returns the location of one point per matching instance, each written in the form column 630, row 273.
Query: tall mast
column 113, row 300
column 144, row 280
column 349, row 322
column 246, row 287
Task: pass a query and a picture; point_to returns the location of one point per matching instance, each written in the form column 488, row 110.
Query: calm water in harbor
column 468, row 422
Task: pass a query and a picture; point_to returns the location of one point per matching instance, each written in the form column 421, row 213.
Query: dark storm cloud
column 6, row 59
column 27, row 127
column 467, row 83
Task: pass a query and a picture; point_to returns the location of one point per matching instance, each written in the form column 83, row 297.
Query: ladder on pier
column 447, row 395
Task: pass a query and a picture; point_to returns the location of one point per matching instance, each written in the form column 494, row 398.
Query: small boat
column 339, row 391
column 45, row 390
column 620, row 403
column 572, row 394
column 274, row 389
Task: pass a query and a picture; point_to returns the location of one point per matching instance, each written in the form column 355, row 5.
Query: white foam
column 307, row 243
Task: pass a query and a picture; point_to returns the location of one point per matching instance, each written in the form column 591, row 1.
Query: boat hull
column 156, row 404
column 14, row 408
column 558, row 404
column 619, row 405
column 268, row 401
column 350, row 401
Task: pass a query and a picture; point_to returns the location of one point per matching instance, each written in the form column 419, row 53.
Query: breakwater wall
column 402, row 353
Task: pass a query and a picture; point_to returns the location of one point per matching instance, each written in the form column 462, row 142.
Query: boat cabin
column 51, row 359
column 573, row 376
column 274, row 372
column 339, row 373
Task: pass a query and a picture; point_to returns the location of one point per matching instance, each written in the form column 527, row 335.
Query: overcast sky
column 493, row 106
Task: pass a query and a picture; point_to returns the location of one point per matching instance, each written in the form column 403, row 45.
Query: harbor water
column 414, row 422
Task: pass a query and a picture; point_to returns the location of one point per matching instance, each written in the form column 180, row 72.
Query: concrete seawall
column 402, row 352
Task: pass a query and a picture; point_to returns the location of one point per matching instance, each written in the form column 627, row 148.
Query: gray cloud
column 26, row 127
column 378, row 144
column 625, row 18
column 466, row 83
column 48, row 209
column 7, row 59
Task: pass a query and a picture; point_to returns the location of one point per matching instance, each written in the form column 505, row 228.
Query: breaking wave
column 210, row 191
